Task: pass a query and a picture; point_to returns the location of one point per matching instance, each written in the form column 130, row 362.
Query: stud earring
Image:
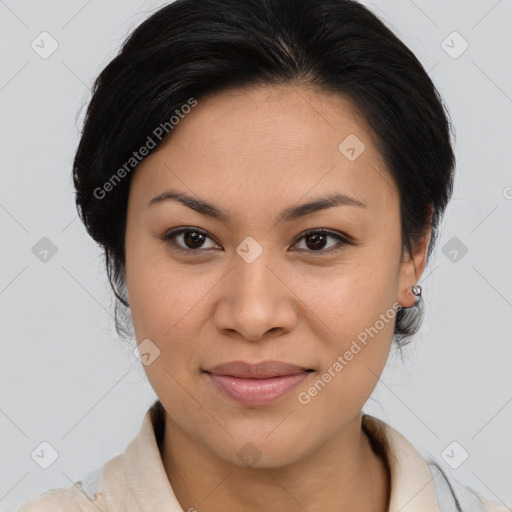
column 416, row 289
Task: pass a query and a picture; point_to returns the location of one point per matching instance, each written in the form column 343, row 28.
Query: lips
column 263, row 370
column 256, row 384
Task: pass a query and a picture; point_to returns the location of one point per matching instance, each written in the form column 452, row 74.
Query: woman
column 266, row 178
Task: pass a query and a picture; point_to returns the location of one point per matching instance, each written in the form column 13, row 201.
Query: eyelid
column 169, row 237
column 343, row 240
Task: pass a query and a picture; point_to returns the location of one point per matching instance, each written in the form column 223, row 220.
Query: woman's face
column 250, row 286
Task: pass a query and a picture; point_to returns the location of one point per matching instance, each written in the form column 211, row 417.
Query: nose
column 256, row 301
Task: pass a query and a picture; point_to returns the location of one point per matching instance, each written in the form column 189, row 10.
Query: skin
column 254, row 153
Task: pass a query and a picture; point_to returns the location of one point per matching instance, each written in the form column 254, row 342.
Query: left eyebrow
column 288, row 214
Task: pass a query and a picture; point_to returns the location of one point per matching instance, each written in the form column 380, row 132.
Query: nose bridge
column 258, row 302
column 253, row 274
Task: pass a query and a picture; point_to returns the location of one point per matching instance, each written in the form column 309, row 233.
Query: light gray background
column 65, row 377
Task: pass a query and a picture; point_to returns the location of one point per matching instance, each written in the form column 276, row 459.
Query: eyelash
column 169, row 238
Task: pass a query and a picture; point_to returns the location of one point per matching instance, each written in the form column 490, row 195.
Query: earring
column 416, row 289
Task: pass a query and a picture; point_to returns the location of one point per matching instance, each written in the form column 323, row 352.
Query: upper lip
column 262, row 370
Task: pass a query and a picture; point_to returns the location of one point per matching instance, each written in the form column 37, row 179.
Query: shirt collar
column 412, row 487
column 146, row 473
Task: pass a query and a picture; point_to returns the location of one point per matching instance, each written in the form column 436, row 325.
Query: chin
column 263, row 450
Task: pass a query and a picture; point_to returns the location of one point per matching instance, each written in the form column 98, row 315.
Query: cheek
column 160, row 291
column 166, row 309
column 171, row 306
column 353, row 312
column 347, row 299
column 164, row 301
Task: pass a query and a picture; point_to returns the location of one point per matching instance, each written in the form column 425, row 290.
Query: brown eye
column 192, row 240
column 315, row 241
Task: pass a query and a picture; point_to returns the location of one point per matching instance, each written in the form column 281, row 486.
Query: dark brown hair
column 193, row 48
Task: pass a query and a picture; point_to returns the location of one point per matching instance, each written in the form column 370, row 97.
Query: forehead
column 268, row 145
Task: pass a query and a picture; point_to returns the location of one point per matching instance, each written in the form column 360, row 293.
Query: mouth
column 254, row 385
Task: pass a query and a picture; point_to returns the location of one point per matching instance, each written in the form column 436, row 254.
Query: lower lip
column 256, row 392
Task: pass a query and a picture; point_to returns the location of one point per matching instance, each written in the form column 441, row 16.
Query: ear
column 412, row 268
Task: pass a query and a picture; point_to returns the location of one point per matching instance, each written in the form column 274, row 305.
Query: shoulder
column 420, row 478
column 136, row 474
column 449, row 490
column 85, row 495
column 54, row 500
column 69, row 499
column 491, row 506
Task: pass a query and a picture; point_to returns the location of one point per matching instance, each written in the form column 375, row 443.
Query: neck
column 343, row 474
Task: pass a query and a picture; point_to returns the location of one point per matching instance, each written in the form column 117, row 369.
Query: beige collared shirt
column 136, row 481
